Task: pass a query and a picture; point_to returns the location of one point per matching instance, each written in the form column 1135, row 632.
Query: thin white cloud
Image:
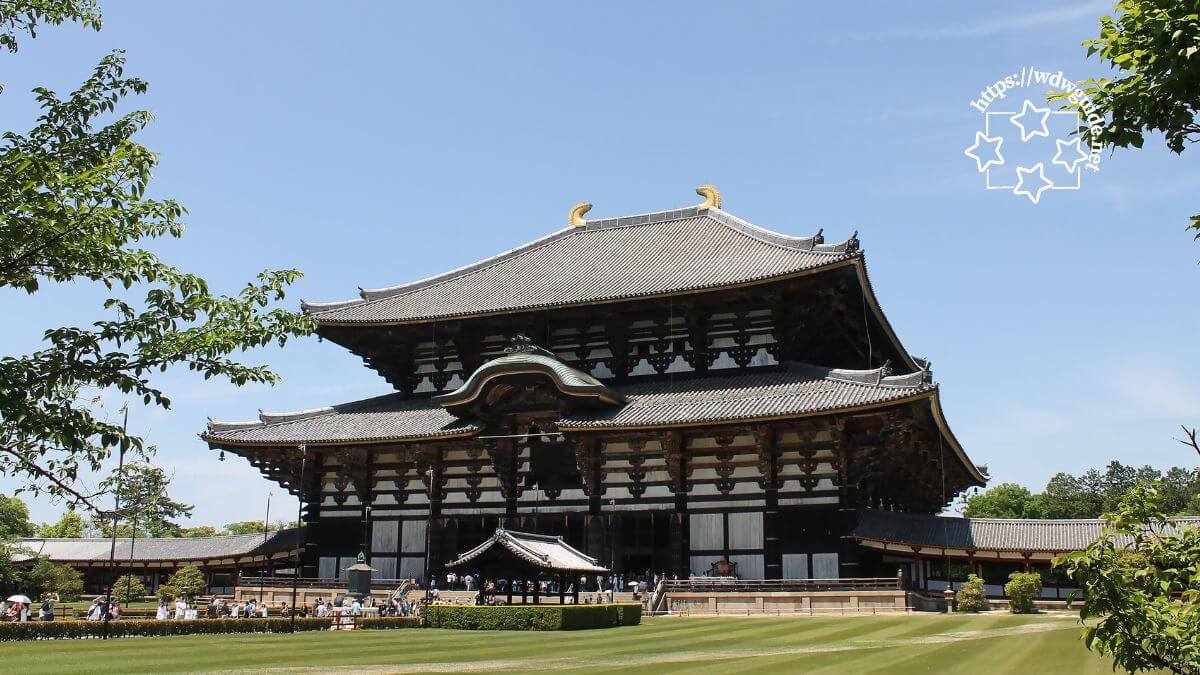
column 1155, row 391
column 1000, row 24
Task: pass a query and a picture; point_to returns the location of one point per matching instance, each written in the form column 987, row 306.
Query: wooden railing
column 730, row 585
column 314, row 582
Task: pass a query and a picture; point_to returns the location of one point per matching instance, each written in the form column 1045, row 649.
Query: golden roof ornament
column 575, row 217
column 712, row 196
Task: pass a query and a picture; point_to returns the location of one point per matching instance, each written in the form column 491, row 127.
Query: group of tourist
column 638, row 583
column 101, row 610
column 217, row 608
column 592, row 589
column 17, row 611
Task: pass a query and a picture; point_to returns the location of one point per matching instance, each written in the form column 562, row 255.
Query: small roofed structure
column 222, row 558
column 529, row 557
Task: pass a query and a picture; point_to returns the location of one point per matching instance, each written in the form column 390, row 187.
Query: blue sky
column 369, row 144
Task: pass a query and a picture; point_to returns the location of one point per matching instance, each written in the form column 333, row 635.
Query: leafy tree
column 1154, row 47
column 188, row 582
column 256, row 526
column 44, row 576
column 1141, row 581
column 142, row 493
column 100, row 527
column 73, row 195
column 1068, row 496
column 245, row 527
column 1007, row 500
column 23, row 16
column 128, row 588
column 69, row 526
column 200, row 531
column 1180, row 490
column 14, row 518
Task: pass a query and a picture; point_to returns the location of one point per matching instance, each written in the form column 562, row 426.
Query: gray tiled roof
column 667, row 252
column 536, row 549
column 383, row 418
column 983, row 534
column 148, row 550
column 800, row 389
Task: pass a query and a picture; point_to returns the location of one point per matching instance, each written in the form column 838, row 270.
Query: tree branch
column 1191, row 440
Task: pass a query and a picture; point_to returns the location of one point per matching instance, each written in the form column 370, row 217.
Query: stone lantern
column 360, row 577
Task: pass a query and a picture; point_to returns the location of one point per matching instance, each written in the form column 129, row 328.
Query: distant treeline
column 1087, row 495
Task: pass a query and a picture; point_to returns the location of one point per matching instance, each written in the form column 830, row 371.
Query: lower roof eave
column 226, row 444
column 600, row 428
column 966, row 551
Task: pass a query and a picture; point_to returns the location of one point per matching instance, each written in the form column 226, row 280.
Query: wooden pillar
column 919, row 569
column 367, row 496
column 432, row 473
column 590, row 459
column 848, row 550
column 537, row 589
column 768, row 468
column 562, row 589
column 675, row 454
column 1028, row 564
column 505, row 458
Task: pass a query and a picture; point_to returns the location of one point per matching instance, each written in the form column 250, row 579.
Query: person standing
column 47, row 611
column 163, row 612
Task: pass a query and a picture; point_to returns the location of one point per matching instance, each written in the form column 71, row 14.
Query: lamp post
column 299, row 519
column 112, row 552
column 428, row 525
column 612, row 549
column 266, row 520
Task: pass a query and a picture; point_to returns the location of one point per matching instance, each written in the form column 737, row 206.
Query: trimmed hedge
column 46, row 630
column 533, row 617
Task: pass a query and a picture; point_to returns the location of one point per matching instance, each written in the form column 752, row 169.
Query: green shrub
column 128, row 588
column 533, row 617
column 43, row 630
column 1022, row 589
column 970, row 596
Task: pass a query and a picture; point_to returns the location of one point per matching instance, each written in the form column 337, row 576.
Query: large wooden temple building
column 662, row 390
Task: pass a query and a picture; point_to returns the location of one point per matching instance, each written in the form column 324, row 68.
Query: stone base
column 782, row 603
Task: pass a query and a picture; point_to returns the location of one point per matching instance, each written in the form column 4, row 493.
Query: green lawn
column 898, row 644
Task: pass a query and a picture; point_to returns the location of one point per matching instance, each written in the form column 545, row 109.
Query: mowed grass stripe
column 662, row 645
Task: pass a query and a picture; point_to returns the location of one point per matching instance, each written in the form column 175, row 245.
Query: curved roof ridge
column 292, row 416
column 644, row 218
column 271, row 418
column 766, row 236
column 215, row 425
column 880, row 377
